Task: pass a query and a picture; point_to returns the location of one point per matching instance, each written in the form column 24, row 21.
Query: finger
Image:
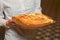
column 10, row 21
column 12, row 24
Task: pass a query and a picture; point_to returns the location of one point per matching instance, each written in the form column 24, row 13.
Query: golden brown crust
column 34, row 20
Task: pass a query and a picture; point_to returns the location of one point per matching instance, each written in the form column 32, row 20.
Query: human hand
column 15, row 26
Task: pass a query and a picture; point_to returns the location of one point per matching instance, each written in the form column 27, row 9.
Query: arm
column 2, row 21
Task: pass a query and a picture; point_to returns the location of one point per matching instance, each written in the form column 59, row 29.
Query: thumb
column 9, row 21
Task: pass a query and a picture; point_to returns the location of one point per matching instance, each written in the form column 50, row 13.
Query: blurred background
column 52, row 32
